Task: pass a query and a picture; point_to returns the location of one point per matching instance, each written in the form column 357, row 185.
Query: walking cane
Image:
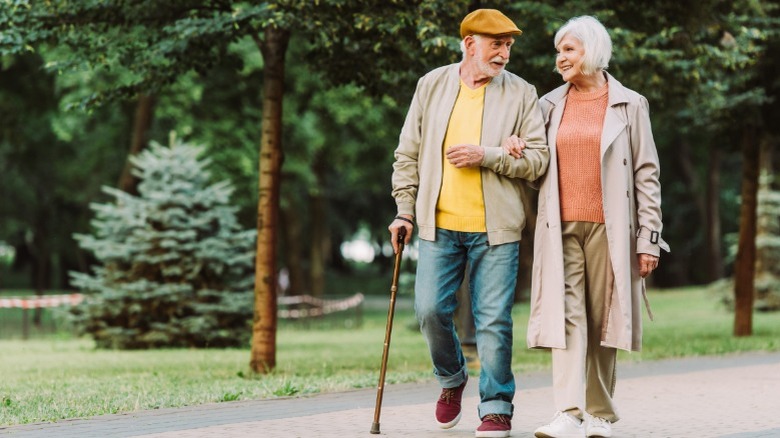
column 388, row 330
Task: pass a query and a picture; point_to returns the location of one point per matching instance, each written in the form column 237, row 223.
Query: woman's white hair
column 594, row 38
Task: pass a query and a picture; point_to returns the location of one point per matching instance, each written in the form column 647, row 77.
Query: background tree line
column 300, row 103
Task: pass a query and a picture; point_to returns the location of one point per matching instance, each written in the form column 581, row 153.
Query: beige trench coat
column 632, row 210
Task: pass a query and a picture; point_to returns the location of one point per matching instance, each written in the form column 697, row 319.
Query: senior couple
column 473, row 135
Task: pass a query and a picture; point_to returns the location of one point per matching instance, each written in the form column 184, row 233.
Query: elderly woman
column 598, row 230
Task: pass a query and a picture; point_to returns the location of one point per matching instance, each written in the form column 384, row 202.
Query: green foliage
column 338, row 146
column 175, row 266
column 286, row 390
column 149, row 44
column 767, row 282
column 231, row 396
column 51, row 166
column 7, row 254
column 220, row 110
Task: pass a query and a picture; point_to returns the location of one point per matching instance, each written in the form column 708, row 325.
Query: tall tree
column 745, row 268
column 139, row 140
column 274, row 48
column 51, row 167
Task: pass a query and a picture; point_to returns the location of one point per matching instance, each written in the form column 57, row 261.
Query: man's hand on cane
column 401, row 221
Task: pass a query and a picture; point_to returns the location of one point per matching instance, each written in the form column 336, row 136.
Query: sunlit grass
column 56, row 378
column 693, row 322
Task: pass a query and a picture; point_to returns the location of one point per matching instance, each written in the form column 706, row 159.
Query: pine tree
column 176, row 269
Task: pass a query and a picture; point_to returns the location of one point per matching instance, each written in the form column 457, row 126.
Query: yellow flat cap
column 487, row 22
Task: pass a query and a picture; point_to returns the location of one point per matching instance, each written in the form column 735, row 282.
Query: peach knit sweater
column 579, row 156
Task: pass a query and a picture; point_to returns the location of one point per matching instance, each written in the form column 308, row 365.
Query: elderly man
column 452, row 177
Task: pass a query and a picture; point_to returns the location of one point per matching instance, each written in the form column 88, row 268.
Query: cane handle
column 401, row 234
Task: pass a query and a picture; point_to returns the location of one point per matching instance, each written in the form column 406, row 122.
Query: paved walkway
column 733, row 396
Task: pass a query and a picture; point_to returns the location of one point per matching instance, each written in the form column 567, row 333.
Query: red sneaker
column 448, row 406
column 495, row 426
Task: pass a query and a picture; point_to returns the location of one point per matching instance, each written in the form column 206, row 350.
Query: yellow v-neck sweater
column 579, row 156
column 461, row 205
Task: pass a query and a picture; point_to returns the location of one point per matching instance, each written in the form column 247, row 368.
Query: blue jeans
column 441, row 267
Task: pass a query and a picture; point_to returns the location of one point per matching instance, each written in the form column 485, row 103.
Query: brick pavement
column 731, row 397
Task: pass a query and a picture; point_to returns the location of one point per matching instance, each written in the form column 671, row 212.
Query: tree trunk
column 318, row 229
column 745, row 266
column 41, row 266
column 697, row 193
column 263, row 352
column 714, row 250
column 144, row 111
column 293, row 244
column 318, row 245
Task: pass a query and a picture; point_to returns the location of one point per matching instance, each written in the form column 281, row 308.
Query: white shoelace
column 599, row 422
column 562, row 416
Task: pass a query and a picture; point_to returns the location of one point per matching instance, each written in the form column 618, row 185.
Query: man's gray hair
column 594, row 38
column 463, row 44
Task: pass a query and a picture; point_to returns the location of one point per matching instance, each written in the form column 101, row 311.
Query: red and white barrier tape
column 319, row 307
column 37, row 302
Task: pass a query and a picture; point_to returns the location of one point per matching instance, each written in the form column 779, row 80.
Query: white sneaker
column 598, row 427
column 563, row 425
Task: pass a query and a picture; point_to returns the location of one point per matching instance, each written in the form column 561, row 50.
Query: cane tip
column 375, row 428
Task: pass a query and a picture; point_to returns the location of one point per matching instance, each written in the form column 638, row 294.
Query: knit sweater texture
column 579, row 156
column 461, row 205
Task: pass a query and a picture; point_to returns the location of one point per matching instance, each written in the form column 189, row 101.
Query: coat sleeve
column 536, row 156
column 405, row 179
column 647, row 185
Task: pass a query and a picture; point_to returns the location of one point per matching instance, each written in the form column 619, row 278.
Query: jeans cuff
column 499, row 407
column 454, row 380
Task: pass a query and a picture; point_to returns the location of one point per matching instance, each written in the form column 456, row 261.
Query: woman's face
column 569, row 60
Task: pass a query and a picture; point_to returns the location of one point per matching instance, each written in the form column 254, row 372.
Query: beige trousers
column 584, row 372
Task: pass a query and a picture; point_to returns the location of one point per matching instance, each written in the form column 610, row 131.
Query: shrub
column 175, row 268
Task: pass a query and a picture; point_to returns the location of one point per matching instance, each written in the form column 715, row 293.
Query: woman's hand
column 514, row 146
column 647, row 264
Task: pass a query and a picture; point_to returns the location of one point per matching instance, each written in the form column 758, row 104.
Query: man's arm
column 536, row 154
column 405, row 179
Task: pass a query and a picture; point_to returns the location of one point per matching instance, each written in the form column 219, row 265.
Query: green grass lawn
column 61, row 377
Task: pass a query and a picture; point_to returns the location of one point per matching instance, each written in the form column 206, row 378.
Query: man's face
column 492, row 53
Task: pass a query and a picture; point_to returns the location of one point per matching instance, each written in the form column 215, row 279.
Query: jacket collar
column 617, row 92
column 614, row 119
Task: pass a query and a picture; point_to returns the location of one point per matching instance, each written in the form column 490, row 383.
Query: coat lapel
column 442, row 108
column 615, row 118
column 492, row 114
column 553, row 106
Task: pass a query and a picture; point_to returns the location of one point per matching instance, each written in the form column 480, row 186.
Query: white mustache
column 498, row 60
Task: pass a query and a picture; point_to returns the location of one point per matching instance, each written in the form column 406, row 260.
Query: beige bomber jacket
column 511, row 107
